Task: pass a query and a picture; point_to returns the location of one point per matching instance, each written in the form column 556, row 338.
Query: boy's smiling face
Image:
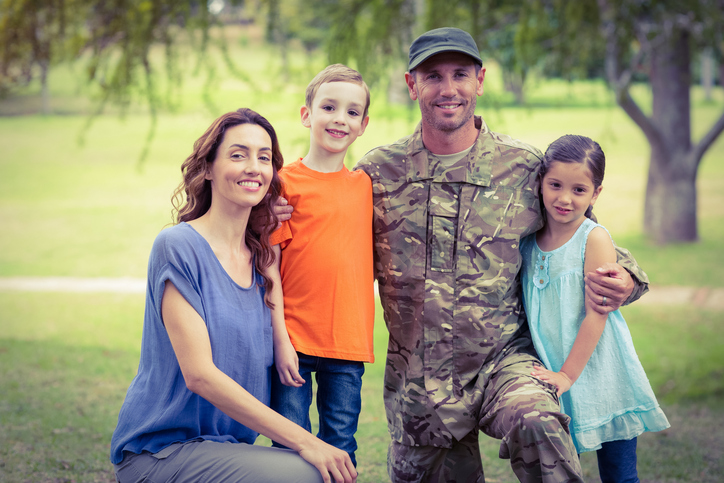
column 336, row 117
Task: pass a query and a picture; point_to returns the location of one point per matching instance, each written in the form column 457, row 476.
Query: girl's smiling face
column 568, row 191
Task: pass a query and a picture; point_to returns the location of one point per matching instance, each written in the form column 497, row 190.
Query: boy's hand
column 608, row 287
column 559, row 379
column 287, row 363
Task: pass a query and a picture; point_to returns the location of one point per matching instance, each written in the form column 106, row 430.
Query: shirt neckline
column 207, row 247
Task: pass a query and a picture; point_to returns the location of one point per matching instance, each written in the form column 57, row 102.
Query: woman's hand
column 559, row 379
column 190, row 339
column 334, row 464
column 287, row 363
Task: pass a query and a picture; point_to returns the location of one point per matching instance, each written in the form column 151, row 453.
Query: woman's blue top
column 159, row 410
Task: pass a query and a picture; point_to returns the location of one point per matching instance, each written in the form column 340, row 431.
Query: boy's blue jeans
column 339, row 399
column 617, row 462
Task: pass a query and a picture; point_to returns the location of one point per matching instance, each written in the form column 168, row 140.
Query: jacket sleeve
column 641, row 280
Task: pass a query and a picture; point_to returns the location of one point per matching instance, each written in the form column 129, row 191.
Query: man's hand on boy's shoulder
column 283, row 209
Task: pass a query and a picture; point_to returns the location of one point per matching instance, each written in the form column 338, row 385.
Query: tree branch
column 697, row 152
column 620, row 78
column 633, row 110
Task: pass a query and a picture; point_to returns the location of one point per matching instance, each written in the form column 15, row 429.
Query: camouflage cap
column 442, row 40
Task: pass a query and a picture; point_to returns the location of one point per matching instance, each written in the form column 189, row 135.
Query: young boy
column 326, row 266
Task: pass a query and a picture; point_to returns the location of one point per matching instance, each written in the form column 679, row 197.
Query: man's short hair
column 336, row 73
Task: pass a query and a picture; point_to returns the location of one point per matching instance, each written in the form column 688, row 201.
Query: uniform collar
column 475, row 168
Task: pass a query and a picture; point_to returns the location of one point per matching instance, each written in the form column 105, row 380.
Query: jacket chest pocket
column 494, row 223
column 444, row 206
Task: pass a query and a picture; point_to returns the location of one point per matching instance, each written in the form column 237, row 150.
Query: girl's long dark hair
column 192, row 198
column 573, row 148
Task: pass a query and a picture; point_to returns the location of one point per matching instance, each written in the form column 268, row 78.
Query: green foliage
column 36, row 33
column 374, row 34
column 116, row 39
column 287, row 20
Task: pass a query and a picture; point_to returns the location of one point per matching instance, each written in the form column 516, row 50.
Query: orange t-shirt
column 327, row 267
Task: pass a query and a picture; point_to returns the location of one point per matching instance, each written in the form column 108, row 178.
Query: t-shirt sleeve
column 282, row 235
column 174, row 258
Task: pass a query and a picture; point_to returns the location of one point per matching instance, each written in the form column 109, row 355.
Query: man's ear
column 480, row 79
column 306, row 114
column 410, row 81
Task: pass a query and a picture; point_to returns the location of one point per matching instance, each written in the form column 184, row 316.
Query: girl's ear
column 596, row 192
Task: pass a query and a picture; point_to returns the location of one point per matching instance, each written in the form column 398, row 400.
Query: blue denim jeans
column 339, row 399
column 617, row 462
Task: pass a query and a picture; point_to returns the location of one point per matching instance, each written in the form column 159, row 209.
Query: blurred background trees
column 625, row 42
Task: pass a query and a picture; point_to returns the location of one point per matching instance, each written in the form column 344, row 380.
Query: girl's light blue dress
column 612, row 399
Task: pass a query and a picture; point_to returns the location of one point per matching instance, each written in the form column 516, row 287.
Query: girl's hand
column 559, row 379
column 287, row 363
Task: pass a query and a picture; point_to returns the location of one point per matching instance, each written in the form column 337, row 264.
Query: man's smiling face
column 446, row 86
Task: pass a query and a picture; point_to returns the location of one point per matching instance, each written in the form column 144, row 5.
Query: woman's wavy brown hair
column 192, row 198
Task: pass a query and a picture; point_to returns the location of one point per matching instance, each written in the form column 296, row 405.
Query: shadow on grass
column 59, row 402
column 58, row 410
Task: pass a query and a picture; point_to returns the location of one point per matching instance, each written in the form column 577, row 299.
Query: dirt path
column 706, row 297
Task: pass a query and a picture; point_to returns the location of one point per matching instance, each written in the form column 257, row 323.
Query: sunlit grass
column 92, row 210
column 67, row 359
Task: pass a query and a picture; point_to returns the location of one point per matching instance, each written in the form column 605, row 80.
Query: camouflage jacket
column 446, row 260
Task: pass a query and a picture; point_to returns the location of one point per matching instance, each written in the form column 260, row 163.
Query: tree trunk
column 44, row 89
column 670, row 207
column 514, row 83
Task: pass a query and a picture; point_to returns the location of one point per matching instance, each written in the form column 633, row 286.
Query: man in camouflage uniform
column 451, row 203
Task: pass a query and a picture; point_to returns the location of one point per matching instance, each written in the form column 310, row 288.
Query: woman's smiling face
column 242, row 171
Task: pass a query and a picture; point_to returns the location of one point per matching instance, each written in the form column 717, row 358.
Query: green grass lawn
column 93, row 211
column 67, row 359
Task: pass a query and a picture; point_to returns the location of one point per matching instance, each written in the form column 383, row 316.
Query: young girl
column 590, row 357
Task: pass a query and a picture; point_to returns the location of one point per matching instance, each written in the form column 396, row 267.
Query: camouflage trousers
column 518, row 409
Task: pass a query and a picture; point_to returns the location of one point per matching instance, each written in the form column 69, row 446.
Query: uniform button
column 541, row 280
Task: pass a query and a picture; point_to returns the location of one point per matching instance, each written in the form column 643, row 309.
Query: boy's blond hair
column 336, row 73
